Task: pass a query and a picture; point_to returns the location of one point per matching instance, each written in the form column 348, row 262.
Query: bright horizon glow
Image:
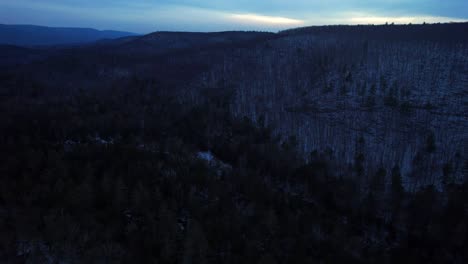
column 266, row 20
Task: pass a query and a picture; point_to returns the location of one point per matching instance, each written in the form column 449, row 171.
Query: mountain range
column 30, row 35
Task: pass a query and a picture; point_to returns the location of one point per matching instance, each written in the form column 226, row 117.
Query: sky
column 144, row 16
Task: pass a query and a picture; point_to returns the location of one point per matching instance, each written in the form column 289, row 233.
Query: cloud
column 146, row 18
column 364, row 18
column 370, row 19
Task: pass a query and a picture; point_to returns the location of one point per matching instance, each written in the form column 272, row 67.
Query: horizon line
column 389, row 23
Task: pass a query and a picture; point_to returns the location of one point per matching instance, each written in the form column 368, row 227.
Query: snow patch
column 206, row 156
column 213, row 162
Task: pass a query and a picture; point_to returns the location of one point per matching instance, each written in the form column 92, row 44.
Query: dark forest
column 339, row 144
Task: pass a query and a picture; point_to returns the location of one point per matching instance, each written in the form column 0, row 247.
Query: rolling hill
column 28, row 35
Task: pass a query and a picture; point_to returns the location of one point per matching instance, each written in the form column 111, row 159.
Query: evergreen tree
column 430, row 143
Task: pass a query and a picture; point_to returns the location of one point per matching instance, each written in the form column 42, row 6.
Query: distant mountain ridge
column 30, row 35
column 164, row 41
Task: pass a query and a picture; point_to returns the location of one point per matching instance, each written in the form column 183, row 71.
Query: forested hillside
column 313, row 145
column 376, row 94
